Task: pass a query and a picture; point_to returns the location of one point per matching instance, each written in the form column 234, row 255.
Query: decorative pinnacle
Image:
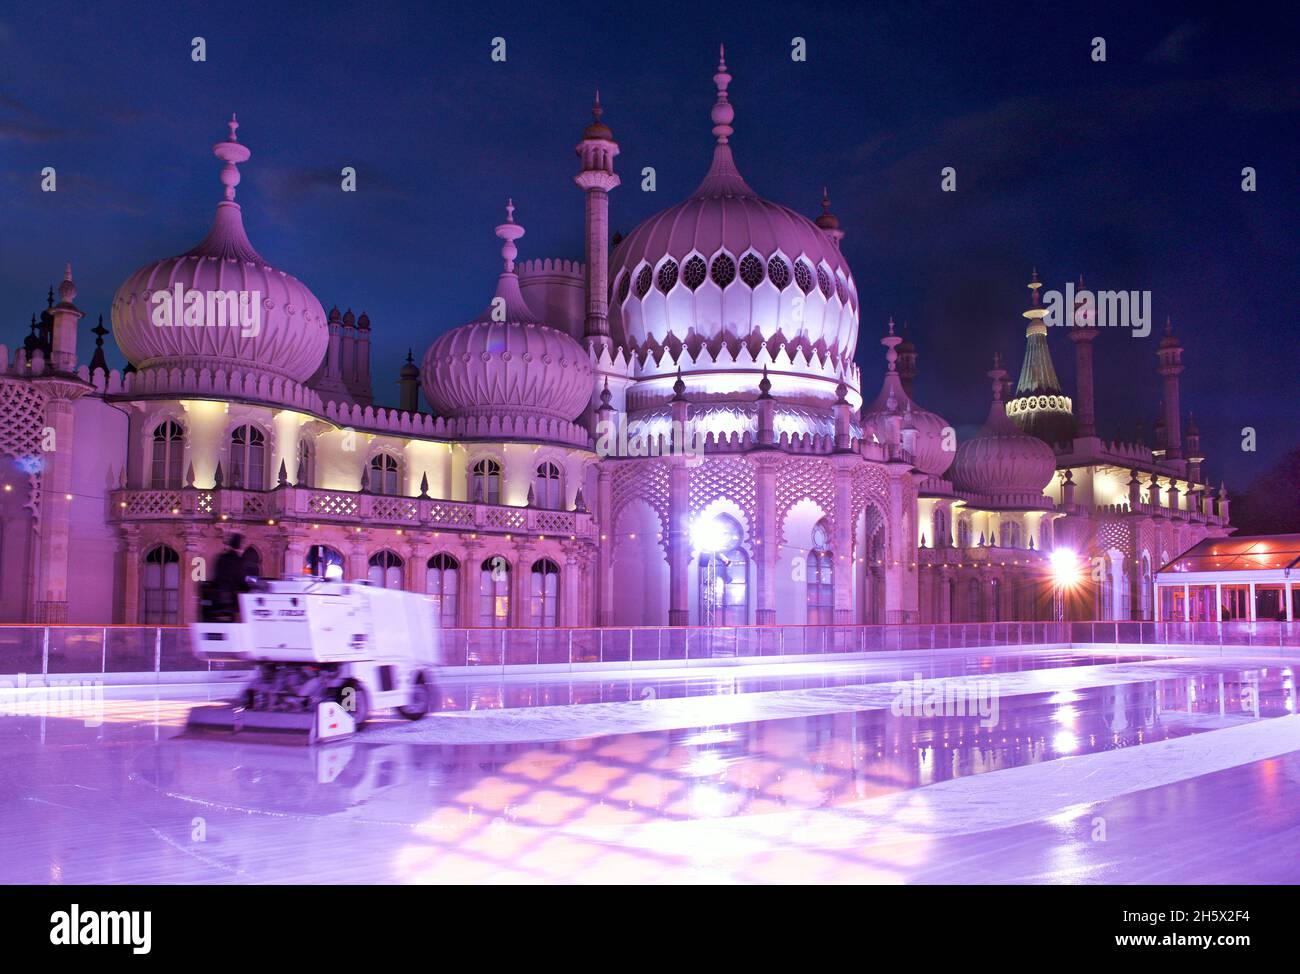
column 67, row 289
column 596, row 110
column 510, row 231
column 679, row 387
column 891, row 342
column 723, row 114
column 997, row 374
column 765, row 386
column 231, row 152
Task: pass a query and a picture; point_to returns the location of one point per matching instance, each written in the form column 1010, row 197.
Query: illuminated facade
column 673, row 431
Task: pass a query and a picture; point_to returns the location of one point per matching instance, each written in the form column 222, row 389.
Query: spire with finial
column 723, row 114
column 597, row 130
column 891, row 342
column 98, row 360
column 765, row 386
column 231, row 152
column 510, row 231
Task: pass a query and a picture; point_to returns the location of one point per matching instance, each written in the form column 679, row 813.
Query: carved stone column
column 842, row 544
column 767, row 535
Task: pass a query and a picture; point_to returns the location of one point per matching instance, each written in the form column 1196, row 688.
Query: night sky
column 1127, row 171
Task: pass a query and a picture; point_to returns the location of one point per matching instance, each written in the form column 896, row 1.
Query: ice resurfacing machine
column 328, row 654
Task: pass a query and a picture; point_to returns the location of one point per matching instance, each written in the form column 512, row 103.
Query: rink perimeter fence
column 165, row 650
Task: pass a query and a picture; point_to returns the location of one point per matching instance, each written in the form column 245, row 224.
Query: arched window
column 323, row 562
column 494, row 593
column 939, row 523
column 168, row 449
column 161, row 587
column 442, row 583
column 1146, row 586
column 995, row 600
column 544, row 601
column 252, row 562
column 548, row 492
column 963, row 532
column 1010, row 534
column 385, row 569
column 247, row 459
column 485, row 483
column 383, row 474
column 724, row 576
column 820, row 578
column 302, row 475
column 973, row 600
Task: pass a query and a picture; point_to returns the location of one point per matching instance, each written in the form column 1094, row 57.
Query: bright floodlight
column 1065, row 566
column 709, row 536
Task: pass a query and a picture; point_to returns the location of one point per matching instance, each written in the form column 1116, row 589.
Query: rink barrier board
column 161, row 654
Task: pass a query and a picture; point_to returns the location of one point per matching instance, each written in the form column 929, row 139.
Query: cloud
column 18, row 123
column 1172, row 48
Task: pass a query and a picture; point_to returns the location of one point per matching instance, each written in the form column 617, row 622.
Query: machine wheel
column 360, row 709
column 422, row 699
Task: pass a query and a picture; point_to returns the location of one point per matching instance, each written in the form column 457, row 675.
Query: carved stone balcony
column 348, row 508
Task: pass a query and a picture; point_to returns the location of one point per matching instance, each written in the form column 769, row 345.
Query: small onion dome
column 893, row 403
column 1000, row 459
column 291, row 332
column 827, row 220
column 410, row 370
column 364, row 322
column 506, row 362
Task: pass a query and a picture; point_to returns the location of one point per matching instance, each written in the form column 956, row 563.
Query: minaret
column 1194, row 456
column 408, row 383
column 907, row 361
column 60, row 388
column 1083, row 333
column 597, row 151
column 362, row 390
column 1170, row 358
column 829, row 222
column 348, row 350
column 65, row 315
column 1039, row 407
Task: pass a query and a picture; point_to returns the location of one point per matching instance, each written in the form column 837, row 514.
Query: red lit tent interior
column 1232, row 579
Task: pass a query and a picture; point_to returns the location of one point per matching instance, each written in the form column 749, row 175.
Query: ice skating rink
column 1050, row 766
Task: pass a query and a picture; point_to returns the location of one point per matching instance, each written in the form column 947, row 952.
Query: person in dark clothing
column 230, row 578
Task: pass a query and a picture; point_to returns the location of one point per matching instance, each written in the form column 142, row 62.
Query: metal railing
column 53, row 650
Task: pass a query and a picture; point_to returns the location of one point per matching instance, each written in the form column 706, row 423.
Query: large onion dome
column 286, row 335
column 506, row 362
column 728, row 267
column 1001, row 460
column 893, row 407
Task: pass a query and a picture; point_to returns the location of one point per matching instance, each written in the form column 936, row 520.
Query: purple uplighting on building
column 681, row 560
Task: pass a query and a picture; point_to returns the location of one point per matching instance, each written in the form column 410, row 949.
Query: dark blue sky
column 1128, row 171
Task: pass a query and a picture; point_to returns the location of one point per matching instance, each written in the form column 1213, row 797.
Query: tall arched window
column 724, row 576
column 383, row 474
column 939, row 525
column 302, row 475
column 168, row 449
column 385, row 569
column 247, row 459
column 544, row 601
column 1010, row 534
column 442, row 583
column 973, row 600
column 485, row 482
column 161, row 587
column 1146, row 586
column 323, row 562
column 963, row 532
column 995, row 600
column 820, row 578
column 547, row 488
column 494, row 593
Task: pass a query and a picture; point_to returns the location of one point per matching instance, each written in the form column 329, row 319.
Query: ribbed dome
column 1000, row 459
column 727, row 264
column 289, row 335
column 506, row 362
column 894, row 406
